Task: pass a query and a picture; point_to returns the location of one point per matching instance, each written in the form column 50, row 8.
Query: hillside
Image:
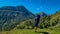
column 52, row 26
column 49, row 24
column 10, row 16
column 46, row 21
column 18, row 20
column 50, row 20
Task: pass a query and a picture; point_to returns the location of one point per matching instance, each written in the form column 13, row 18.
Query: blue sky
column 34, row 6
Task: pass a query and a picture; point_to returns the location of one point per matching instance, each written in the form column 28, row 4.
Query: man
column 36, row 22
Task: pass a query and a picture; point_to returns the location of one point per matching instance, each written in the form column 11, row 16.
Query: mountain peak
column 42, row 14
column 13, row 8
column 21, row 6
column 10, row 15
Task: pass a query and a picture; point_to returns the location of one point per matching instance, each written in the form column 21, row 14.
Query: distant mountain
column 42, row 14
column 48, row 21
column 10, row 16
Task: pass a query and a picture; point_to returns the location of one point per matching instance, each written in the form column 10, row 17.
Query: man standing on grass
column 37, row 18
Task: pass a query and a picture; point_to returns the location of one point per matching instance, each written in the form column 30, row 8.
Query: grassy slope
column 55, row 30
column 51, row 30
column 26, row 31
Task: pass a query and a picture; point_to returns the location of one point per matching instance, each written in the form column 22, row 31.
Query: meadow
column 31, row 31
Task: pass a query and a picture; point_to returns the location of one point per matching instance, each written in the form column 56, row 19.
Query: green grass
column 51, row 30
column 29, row 31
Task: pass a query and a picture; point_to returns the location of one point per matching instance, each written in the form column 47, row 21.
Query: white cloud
column 39, row 8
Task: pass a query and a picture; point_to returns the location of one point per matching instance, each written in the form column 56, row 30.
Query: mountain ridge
column 10, row 16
